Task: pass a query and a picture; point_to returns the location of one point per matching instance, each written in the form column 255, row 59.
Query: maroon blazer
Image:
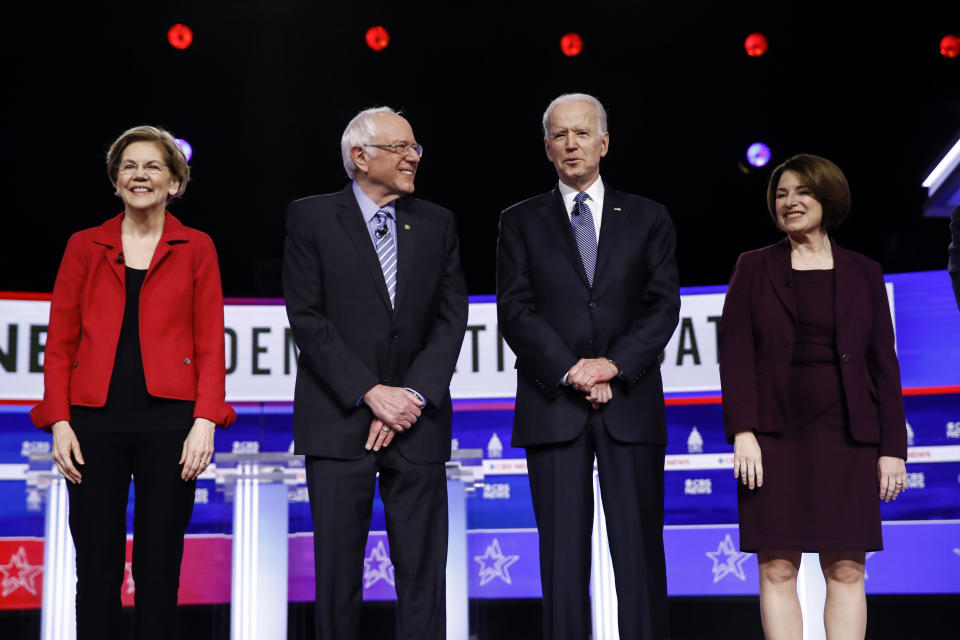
column 757, row 333
column 181, row 323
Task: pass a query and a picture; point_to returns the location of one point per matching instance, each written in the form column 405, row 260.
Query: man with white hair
column 378, row 307
column 587, row 297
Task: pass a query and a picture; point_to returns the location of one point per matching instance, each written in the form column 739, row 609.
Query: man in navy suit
column 587, row 297
column 378, row 307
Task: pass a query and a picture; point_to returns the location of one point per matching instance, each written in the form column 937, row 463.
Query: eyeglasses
column 153, row 168
column 400, row 148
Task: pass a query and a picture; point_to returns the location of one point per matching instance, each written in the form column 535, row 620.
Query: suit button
column 386, row 381
column 589, row 343
column 186, row 361
column 592, row 305
column 845, row 357
column 395, row 335
column 76, row 363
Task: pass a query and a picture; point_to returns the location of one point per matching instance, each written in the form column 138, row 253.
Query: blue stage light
column 185, row 148
column 758, row 154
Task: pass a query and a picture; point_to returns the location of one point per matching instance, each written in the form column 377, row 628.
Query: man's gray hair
column 361, row 130
column 576, row 97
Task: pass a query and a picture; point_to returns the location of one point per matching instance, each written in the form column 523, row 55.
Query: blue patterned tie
column 387, row 253
column 583, row 230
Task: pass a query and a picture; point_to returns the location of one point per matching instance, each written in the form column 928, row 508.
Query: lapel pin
column 616, row 208
column 406, row 227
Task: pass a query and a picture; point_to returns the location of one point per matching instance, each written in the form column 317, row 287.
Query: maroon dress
column 820, row 487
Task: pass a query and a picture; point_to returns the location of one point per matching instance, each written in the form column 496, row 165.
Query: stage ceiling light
column 185, row 147
column 571, row 44
column 950, row 46
column 377, row 38
column 180, row 36
column 755, row 44
column 758, row 154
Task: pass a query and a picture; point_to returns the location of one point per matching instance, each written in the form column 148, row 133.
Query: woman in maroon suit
column 811, row 401
column 134, row 385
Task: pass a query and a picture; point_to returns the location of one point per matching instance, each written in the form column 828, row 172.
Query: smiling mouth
column 793, row 215
column 140, row 190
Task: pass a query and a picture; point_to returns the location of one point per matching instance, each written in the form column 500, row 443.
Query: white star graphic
column 493, row 564
column 732, row 561
column 19, row 573
column 870, row 554
column 957, row 551
column 128, row 577
column 377, row 567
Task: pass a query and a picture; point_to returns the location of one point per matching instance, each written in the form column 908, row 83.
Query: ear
column 360, row 159
column 174, row 187
column 546, row 148
column 604, row 144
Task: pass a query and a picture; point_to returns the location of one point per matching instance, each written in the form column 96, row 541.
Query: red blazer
column 181, row 323
column 756, row 337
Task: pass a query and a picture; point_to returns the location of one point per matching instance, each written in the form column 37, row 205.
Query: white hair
column 576, row 97
column 361, row 130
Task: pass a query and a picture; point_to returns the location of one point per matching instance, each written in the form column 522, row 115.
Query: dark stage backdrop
column 267, row 87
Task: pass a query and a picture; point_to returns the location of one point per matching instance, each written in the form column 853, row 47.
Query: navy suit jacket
column 551, row 317
column 757, row 333
column 349, row 337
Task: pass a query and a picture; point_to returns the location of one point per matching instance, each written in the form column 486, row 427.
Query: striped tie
column 387, row 253
column 583, row 231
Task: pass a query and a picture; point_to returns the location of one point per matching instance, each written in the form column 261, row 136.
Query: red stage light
column 180, row 36
column 571, row 44
column 755, row 44
column 950, row 46
column 377, row 38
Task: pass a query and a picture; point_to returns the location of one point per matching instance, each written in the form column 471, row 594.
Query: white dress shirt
column 594, row 201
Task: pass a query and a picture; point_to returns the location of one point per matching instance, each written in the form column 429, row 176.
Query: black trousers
column 415, row 503
column 631, row 486
column 98, row 522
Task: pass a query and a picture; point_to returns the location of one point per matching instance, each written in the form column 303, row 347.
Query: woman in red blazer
column 811, row 401
column 134, row 385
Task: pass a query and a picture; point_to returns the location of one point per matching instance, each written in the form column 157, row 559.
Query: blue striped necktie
column 387, row 253
column 581, row 221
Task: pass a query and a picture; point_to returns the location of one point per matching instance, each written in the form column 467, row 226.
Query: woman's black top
column 129, row 406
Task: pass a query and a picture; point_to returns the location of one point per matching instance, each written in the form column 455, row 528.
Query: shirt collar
column 569, row 194
column 368, row 207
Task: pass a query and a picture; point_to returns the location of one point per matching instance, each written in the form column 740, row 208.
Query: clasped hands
column 395, row 410
column 592, row 376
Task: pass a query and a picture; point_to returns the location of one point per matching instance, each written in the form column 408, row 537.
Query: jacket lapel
column 173, row 233
column 611, row 227
column 406, row 246
column 556, row 219
column 845, row 290
column 108, row 236
column 777, row 265
column 352, row 220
